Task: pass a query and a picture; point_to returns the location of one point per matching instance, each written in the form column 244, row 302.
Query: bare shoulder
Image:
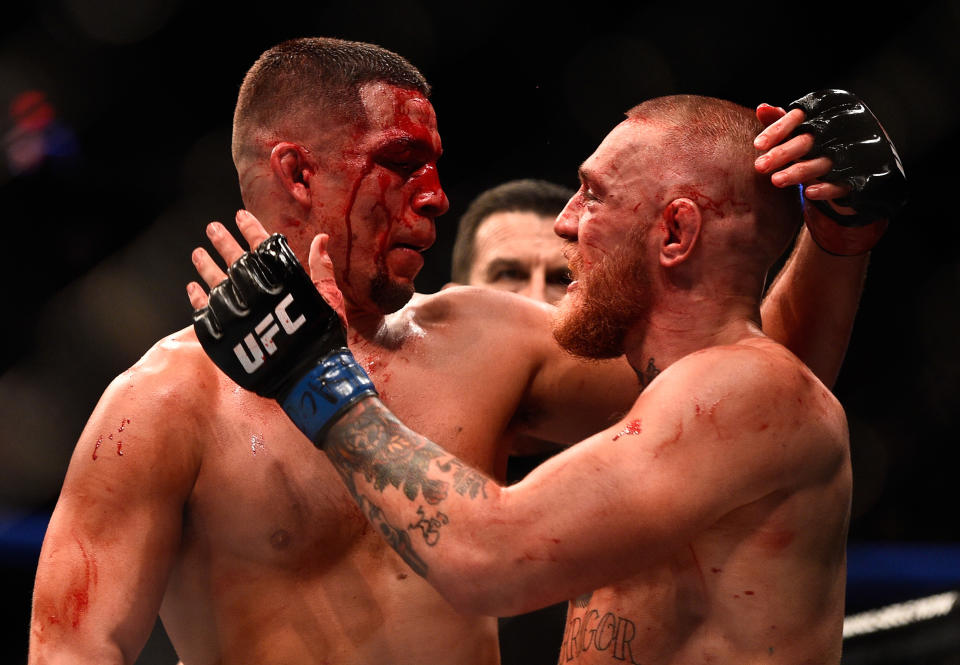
column 157, row 409
column 470, row 302
column 174, row 372
column 486, row 313
column 758, row 392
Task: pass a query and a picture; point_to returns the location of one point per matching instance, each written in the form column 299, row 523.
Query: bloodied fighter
column 189, row 497
column 709, row 523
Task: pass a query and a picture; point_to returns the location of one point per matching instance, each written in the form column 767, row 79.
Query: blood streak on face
column 380, row 198
column 351, row 201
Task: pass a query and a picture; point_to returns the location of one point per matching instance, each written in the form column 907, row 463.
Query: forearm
column 441, row 516
column 75, row 653
column 811, row 306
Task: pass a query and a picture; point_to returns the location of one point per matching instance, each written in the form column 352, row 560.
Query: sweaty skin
column 709, row 524
column 192, row 498
column 224, row 518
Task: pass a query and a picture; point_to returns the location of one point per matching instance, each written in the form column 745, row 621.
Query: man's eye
column 588, row 195
column 404, row 168
column 561, row 278
column 510, row 274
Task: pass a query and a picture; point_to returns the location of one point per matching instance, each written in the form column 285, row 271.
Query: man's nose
column 430, row 200
column 536, row 287
column 567, row 222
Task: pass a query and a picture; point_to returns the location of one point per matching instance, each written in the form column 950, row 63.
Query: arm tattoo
column 371, row 442
column 396, row 538
column 375, row 444
column 465, row 480
column 429, row 525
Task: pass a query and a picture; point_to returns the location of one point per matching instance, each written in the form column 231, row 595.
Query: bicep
column 114, row 532
column 572, row 398
column 631, row 495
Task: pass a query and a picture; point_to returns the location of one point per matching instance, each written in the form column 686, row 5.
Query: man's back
column 764, row 582
column 269, row 558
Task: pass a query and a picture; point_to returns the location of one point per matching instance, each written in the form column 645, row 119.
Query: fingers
column 825, row 191
column 801, row 172
column 781, row 155
column 207, row 268
column 229, row 250
column 769, row 114
column 779, row 130
column 321, row 266
column 251, row 228
column 224, row 242
column 323, row 277
column 197, row 296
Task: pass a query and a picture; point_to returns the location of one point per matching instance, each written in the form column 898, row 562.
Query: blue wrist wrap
column 324, row 393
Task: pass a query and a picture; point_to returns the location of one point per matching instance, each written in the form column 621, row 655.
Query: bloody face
column 376, row 192
column 608, row 223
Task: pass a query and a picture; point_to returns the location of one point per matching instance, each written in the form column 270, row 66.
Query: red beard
column 611, row 298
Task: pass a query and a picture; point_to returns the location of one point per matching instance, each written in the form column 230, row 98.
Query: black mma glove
column 864, row 158
column 268, row 329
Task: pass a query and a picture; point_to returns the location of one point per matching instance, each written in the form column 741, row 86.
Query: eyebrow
column 418, row 144
column 499, row 264
column 588, row 177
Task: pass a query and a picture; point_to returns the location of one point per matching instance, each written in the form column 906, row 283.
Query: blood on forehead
column 392, row 111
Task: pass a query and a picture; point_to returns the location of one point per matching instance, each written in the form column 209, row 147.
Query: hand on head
column 782, row 156
column 229, row 250
column 321, row 266
column 322, row 275
column 831, row 135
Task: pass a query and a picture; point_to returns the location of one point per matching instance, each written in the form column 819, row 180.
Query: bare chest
column 265, row 493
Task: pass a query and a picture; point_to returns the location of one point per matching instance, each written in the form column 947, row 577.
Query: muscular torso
column 764, row 584
column 278, row 565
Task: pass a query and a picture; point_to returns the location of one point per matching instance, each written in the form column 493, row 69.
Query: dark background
column 116, row 116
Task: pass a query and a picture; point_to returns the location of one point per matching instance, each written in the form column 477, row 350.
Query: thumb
column 323, row 276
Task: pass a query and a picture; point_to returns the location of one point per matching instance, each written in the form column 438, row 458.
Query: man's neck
column 687, row 326
column 369, row 329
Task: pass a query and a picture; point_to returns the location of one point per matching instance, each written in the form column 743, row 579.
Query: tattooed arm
column 603, row 509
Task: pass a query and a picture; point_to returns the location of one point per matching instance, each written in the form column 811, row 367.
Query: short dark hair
column 537, row 196
column 314, row 73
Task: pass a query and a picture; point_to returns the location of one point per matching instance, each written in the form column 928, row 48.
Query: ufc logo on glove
column 266, row 330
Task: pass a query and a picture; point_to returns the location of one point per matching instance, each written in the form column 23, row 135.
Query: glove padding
column 863, row 156
column 268, row 329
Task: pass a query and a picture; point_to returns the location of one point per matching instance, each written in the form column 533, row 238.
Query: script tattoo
column 465, row 480
column 377, row 446
column 591, row 631
column 429, row 525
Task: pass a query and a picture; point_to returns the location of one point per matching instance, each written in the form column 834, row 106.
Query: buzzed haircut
column 706, row 129
column 536, row 196
column 319, row 74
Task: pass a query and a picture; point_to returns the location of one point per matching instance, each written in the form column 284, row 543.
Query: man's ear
column 291, row 165
column 682, row 221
